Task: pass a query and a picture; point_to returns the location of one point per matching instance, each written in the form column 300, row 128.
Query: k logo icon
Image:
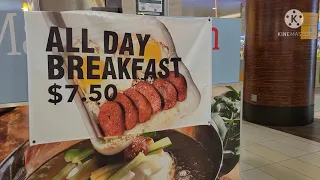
column 293, row 18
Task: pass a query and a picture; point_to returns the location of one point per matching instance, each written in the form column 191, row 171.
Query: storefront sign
column 226, row 50
column 226, row 40
column 13, row 59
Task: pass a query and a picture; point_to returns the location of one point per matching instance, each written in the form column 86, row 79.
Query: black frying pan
column 198, row 155
column 201, row 158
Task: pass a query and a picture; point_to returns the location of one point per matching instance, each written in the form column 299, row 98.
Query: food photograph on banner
column 226, row 114
column 124, row 97
column 156, row 155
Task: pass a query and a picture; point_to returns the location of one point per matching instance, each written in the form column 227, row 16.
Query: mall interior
column 280, row 77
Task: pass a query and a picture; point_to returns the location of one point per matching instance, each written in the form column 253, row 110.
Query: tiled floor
column 268, row 154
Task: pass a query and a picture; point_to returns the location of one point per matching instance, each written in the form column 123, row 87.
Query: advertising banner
column 105, row 74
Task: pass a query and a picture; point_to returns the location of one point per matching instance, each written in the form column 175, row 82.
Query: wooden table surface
column 14, row 130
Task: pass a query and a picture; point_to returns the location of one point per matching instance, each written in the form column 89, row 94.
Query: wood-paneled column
column 280, row 61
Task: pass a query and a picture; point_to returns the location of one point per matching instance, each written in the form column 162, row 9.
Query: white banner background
column 51, row 123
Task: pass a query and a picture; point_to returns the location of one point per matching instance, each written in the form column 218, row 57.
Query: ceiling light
column 24, row 6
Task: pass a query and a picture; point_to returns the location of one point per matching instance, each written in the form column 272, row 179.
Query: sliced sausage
column 180, row 84
column 139, row 144
column 151, row 93
column 129, row 109
column 168, row 92
column 141, row 102
column 111, row 119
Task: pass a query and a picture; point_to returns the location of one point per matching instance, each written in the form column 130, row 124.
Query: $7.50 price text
column 110, row 93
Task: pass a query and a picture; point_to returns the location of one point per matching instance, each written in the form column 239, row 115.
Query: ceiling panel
column 227, row 7
column 199, row 8
column 204, row 7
